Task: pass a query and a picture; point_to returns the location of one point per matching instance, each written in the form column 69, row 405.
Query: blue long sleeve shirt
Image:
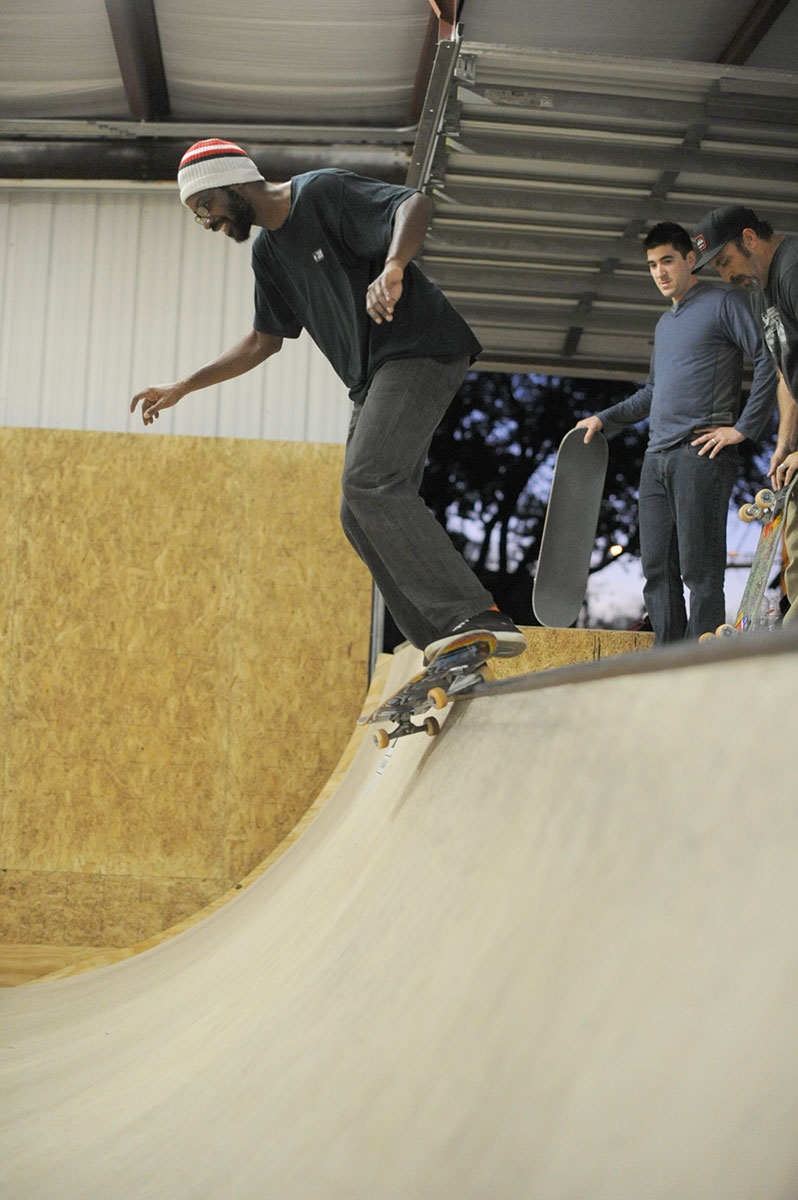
column 696, row 372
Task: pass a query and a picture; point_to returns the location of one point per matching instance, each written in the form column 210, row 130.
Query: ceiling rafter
column 745, row 40
column 134, row 29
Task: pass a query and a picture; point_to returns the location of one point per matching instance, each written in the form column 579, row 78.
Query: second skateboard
column 769, row 508
column 569, row 531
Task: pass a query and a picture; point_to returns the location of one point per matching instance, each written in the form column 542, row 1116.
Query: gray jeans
column 423, row 579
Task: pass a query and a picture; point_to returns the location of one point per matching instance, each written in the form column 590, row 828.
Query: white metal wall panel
column 103, row 292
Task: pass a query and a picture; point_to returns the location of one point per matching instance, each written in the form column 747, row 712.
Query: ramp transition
column 551, row 953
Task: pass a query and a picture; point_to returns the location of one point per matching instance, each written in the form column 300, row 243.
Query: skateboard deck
column 450, row 673
column 769, row 508
column 569, row 530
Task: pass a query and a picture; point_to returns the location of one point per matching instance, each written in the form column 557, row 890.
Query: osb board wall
column 549, row 648
column 19, row 964
column 164, row 603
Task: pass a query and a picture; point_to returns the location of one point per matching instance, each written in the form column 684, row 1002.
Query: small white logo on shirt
column 318, row 255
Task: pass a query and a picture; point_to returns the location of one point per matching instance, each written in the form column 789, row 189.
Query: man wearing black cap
column 745, row 252
column 333, row 256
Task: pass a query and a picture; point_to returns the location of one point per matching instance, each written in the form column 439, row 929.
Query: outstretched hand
column 155, row 399
column 385, row 292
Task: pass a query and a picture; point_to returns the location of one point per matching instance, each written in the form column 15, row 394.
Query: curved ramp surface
column 550, row 954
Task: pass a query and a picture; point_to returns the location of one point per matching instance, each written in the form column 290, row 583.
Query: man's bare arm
column 251, row 351
column 409, row 230
column 784, row 461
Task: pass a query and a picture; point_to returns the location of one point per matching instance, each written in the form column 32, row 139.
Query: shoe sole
column 508, row 644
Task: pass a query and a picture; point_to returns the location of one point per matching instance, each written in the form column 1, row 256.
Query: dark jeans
column 684, row 506
column 424, row 580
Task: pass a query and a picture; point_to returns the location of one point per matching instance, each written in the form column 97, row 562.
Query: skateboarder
column 333, row 256
column 746, row 252
column 693, row 402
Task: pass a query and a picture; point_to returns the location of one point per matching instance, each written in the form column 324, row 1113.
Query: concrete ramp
column 552, row 954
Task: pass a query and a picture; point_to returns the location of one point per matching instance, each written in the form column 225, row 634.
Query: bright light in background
column 615, row 595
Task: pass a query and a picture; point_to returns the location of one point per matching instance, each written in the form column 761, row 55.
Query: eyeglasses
column 201, row 213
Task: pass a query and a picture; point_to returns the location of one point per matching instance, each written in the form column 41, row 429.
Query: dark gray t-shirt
column 696, row 372
column 313, row 273
column 776, row 308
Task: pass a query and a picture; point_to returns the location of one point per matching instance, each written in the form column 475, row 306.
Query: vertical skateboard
column 450, row 673
column 769, row 508
column 569, row 530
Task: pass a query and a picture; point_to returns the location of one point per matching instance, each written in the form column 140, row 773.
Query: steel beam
column 429, row 126
column 759, row 21
column 144, row 161
column 138, row 49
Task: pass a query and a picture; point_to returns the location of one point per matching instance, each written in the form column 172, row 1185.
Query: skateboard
column 449, row 673
column 569, row 530
column 769, row 508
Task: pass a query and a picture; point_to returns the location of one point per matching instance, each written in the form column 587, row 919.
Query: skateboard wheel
column 437, row 696
column 748, row 512
column 707, row 637
column 431, row 727
column 765, row 498
column 381, row 739
column 725, row 630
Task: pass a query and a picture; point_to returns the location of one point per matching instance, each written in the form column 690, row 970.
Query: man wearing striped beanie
column 333, row 255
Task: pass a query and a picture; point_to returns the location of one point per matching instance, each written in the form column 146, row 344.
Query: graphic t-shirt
column 776, row 308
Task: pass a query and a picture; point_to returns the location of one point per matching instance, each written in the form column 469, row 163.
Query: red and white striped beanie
column 214, row 163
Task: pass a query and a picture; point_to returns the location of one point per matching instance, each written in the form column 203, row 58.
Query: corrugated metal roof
column 567, row 130
column 262, row 61
column 552, row 168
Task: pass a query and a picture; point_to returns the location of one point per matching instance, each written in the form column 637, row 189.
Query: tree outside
column 490, row 467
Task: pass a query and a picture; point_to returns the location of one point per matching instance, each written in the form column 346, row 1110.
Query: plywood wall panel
column 167, row 601
column 550, row 648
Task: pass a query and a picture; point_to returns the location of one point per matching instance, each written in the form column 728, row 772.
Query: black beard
column 241, row 218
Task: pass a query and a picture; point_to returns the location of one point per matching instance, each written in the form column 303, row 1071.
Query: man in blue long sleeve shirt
column 692, row 399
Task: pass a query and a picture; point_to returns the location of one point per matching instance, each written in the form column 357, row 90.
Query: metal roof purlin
column 429, row 125
column 550, row 167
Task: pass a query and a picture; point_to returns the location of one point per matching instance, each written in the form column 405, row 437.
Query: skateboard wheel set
column 769, row 509
column 763, row 505
column 455, row 671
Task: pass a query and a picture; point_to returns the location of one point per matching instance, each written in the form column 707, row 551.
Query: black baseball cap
column 718, row 227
